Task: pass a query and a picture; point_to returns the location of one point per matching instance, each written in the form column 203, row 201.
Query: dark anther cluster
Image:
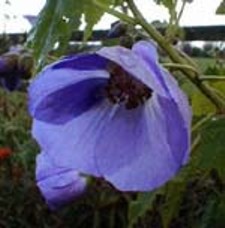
column 124, row 88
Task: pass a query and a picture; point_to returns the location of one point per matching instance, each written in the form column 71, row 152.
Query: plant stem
column 195, row 143
column 181, row 11
column 201, row 122
column 177, row 66
column 212, row 78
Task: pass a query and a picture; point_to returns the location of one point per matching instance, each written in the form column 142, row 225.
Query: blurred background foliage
column 194, row 199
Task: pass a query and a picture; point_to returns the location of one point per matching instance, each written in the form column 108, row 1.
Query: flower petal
column 82, row 62
column 147, row 47
column 134, row 153
column 74, row 143
column 178, row 134
column 129, row 148
column 56, row 82
column 178, row 101
column 57, row 96
column 143, row 50
column 65, row 104
column 58, row 185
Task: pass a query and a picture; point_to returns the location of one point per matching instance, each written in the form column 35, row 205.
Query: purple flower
column 115, row 113
column 59, row 185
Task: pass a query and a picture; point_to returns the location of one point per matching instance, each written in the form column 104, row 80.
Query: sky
column 200, row 12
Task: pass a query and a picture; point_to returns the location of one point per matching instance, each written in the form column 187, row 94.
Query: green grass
column 203, row 63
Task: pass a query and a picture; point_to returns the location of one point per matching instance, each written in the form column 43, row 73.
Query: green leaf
column 54, row 25
column 211, row 152
column 221, row 8
column 169, row 4
column 214, row 213
column 118, row 2
column 93, row 15
column 58, row 20
column 174, row 195
column 140, row 206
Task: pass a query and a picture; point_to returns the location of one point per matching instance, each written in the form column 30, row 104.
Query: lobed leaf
column 93, row 15
column 54, row 26
column 221, row 8
column 57, row 21
column 214, row 213
column 174, row 195
column 211, row 152
column 139, row 207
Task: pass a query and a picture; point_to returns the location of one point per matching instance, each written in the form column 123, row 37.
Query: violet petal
column 58, row 185
column 143, row 48
column 75, row 141
column 78, row 98
column 82, row 62
column 129, row 148
column 49, row 93
column 142, row 157
column 170, row 85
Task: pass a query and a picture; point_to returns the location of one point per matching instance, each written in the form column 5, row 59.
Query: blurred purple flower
column 115, row 113
column 59, row 185
column 9, row 72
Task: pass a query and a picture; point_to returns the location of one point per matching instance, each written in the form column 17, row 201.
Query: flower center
column 124, row 88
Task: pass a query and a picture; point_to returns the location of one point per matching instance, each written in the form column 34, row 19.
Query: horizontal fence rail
column 203, row 33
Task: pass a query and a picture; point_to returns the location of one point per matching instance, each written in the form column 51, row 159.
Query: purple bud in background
column 58, row 185
column 118, row 29
column 115, row 113
column 15, row 66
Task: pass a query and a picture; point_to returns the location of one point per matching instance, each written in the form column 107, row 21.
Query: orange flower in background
column 5, row 152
